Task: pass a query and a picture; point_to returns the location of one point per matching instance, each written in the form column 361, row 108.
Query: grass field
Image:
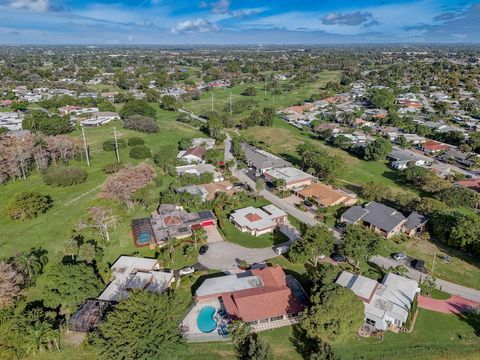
column 52, row 229
column 221, row 97
column 234, row 235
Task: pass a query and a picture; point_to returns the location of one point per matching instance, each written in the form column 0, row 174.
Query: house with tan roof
column 291, row 176
column 325, row 195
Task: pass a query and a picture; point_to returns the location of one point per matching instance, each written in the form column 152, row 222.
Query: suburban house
column 261, row 160
column 199, row 169
column 258, row 221
column 325, row 195
column 168, row 223
column 100, row 117
column 432, row 146
column 129, row 273
column 291, row 176
column 192, row 155
column 384, row 219
column 265, row 298
column 193, row 190
column 400, row 159
column 12, row 121
column 387, row 304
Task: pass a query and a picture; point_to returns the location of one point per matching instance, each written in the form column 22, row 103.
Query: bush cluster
column 64, row 176
column 140, row 152
column 109, row 145
column 141, row 123
column 112, row 168
column 134, row 141
column 27, row 205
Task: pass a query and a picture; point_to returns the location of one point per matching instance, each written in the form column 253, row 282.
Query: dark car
column 418, row 265
column 203, row 249
column 339, row 258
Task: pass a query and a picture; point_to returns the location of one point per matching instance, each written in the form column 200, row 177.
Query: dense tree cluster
column 320, row 162
column 40, row 121
column 141, row 123
column 123, row 184
column 18, row 156
column 137, row 107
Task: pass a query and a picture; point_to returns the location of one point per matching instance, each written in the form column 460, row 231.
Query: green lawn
column 436, row 336
column 234, row 235
column 52, row 229
column 221, row 96
column 283, row 138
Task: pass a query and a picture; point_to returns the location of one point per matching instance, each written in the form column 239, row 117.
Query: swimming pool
column 205, row 321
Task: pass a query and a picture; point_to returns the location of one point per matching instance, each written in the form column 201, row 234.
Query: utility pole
column 212, row 99
column 433, row 264
column 116, row 144
column 85, row 146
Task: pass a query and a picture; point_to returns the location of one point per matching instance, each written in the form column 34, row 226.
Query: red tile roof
column 273, row 299
column 433, row 145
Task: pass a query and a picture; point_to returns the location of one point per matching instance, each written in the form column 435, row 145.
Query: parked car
column 339, row 258
column 186, row 271
column 418, row 265
column 282, row 249
column 399, row 256
column 203, row 249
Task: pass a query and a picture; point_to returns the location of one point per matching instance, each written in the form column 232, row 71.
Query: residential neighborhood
column 261, row 202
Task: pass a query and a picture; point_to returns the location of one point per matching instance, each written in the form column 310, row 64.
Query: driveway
column 447, row 286
column 454, row 305
column 213, row 235
column 224, row 255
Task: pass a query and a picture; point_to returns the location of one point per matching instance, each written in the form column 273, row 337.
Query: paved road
column 192, row 115
column 448, row 287
column 228, row 149
column 225, row 255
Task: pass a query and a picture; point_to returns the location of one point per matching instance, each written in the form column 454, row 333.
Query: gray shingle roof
column 376, row 214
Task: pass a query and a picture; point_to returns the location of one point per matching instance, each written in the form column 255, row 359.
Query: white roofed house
column 387, row 304
column 258, row 221
column 129, row 273
column 292, row 177
column 100, row 118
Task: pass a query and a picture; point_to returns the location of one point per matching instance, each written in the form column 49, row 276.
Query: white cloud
column 34, row 5
column 195, row 26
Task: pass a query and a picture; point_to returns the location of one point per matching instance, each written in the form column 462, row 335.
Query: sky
column 215, row 22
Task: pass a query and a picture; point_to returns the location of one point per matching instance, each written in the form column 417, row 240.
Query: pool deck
column 192, row 332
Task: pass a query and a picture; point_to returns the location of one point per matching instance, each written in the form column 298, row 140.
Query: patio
column 189, row 325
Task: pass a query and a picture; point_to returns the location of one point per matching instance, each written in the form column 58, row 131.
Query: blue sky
column 238, row 22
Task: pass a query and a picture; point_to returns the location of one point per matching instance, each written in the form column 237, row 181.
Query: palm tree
column 29, row 265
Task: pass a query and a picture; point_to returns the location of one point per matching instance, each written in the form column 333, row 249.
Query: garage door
column 208, row 222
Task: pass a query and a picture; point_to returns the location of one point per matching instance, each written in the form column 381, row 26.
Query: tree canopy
column 157, row 316
column 316, row 241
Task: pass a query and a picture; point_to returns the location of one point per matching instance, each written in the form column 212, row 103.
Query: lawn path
column 74, row 200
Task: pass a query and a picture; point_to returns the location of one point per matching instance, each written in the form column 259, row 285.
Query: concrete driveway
column 224, row 255
column 213, row 235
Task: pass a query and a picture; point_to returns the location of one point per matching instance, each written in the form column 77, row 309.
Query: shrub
column 109, row 145
column 28, row 205
column 134, row 141
column 141, row 123
column 64, row 176
column 112, row 168
column 140, row 152
column 137, row 107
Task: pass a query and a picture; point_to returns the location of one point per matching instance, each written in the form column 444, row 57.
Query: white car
column 186, row 271
column 399, row 256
